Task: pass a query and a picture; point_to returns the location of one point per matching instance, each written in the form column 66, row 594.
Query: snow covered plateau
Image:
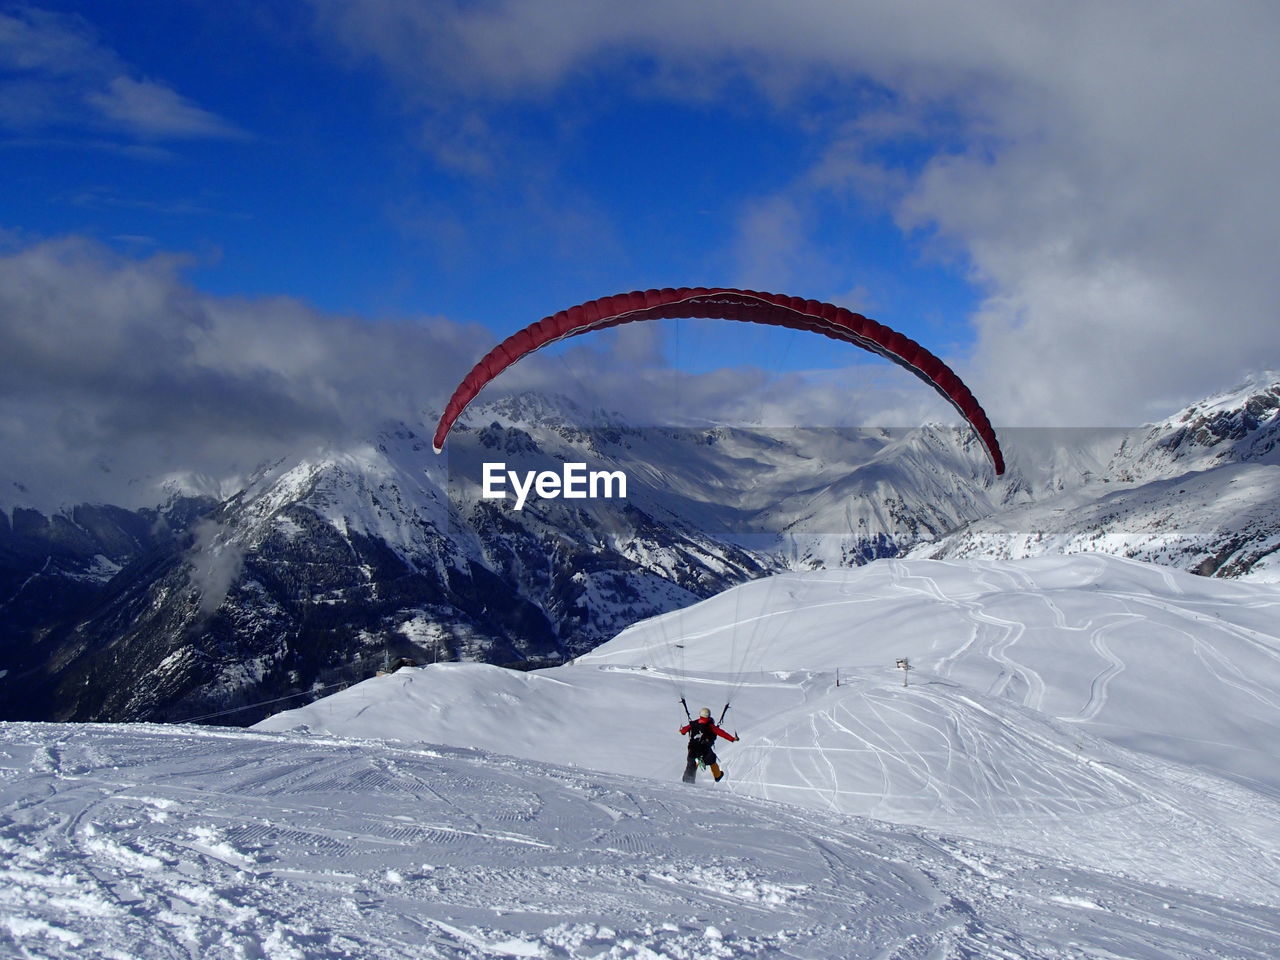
column 1080, row 762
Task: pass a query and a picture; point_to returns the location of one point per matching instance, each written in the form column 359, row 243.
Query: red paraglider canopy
column 722, row 303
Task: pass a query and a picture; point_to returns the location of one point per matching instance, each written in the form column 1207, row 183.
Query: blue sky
column 316, row 184
column 289, row 222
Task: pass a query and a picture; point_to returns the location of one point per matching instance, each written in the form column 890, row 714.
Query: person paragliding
column 702, row 739
column 741, row 306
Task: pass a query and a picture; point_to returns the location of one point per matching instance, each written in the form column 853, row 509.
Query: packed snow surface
column 1082, row 763
column 147, row 841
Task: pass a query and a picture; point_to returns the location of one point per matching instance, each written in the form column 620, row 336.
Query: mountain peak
column 1260, row 389
column 1234, row 426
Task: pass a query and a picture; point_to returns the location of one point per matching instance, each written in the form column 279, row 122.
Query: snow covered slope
column 1199, row 491
column 1115, row 714
column 147, row 842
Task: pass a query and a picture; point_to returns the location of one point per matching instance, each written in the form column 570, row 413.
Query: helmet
column 704, row 712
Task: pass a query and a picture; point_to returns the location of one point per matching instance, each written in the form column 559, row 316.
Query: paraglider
column 702, row 735
column 725, row 303
column 722, row 303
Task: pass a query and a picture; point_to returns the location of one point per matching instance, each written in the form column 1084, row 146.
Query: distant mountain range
column 1199, row 491
column 321, row 568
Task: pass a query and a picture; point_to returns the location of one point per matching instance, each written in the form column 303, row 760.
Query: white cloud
column 625, row 370
column 115, row 372
column 39, row 41
column 61, row 77
column 153, row 110
column 1106, row 169
column 772, row 243
column 215, row 562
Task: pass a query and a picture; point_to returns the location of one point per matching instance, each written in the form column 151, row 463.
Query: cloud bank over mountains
column 1105, row 170
column 1102, row 173
column 116, row 375
column 115, row 370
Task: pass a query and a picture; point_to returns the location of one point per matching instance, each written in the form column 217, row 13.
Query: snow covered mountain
column 1199, row 491
column 319, row 568
column 1083, row 763
column 52, row 568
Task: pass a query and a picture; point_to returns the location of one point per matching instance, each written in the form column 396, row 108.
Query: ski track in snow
column 1048, row 699
column 1098, row 686
column 148, row 842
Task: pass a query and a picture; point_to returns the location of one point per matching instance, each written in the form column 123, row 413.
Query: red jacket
column 718, row 732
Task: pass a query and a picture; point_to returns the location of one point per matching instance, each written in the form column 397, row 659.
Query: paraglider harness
column 702, row 736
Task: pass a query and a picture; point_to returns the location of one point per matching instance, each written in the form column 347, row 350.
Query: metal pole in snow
column 904, row 666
